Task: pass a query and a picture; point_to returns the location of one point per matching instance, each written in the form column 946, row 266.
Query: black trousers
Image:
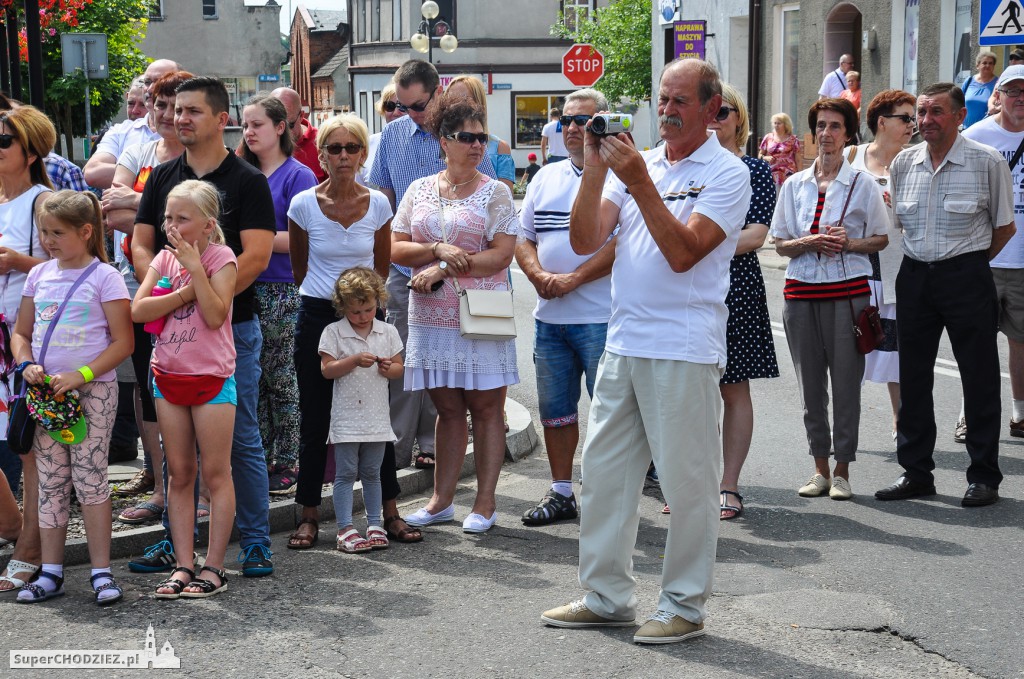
column 315, row 394
column 957, row 295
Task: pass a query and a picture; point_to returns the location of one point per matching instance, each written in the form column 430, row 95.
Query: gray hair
column 589, row 94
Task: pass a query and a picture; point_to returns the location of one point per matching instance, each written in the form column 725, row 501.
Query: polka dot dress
column 751, row 348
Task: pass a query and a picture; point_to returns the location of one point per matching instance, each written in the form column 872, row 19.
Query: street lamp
column 422, row 41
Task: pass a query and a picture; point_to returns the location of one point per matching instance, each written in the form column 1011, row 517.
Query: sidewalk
column 520, row 441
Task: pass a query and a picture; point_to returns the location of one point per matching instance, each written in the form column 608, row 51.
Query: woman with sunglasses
column 498, row 150
column 335, row 226
column 267, row 145
column 387, row 108
column 458, row 224
column 26, row 136
column 891, row 121
column 828, row 220
column 750, row 347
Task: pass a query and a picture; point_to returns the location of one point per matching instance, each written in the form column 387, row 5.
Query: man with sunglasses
column 303, row 134
column 406, row 152
column 679, row 210
column 954, row 203
column 1005, row 133
column 573, row 305
column 99, row 171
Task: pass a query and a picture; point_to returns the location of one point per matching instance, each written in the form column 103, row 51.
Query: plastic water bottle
column 162, row 287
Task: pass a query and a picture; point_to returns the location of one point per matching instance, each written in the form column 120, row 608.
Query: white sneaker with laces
column 841, row 489
column 816, row 486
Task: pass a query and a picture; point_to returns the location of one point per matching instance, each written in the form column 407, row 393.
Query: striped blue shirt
column 407, row 152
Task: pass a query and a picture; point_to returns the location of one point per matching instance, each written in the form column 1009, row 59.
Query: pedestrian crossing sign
column 1001, row 22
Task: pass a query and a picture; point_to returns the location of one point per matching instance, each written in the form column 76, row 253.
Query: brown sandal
column 405, row 533
column 304, row 540
column 142, row 482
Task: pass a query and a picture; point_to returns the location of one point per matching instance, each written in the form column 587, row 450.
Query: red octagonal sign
column 583, row 65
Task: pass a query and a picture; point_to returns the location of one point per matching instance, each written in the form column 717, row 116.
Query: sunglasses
column 723, row 113
column 906, row 119
column 389, row 106
column 581, row 121
column 415, row 108
column 6, row 140
column 469, row 137
column 336, row 149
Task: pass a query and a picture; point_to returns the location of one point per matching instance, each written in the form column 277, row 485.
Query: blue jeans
column 562, row 354
column 248, row 463
column 10, row 466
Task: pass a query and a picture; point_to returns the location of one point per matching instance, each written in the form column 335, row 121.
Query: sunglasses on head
column 581, row 121
column 468, row 137
column 336, row 149
column 389, row 106
column 723, row 112
column 6, row 140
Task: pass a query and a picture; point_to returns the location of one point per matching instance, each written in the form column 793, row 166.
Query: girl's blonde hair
column 78, row 208
column 358, row 285
column 475, row 88
column 206, row 199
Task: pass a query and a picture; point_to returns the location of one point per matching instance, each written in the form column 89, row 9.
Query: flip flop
column 202, row 510
column 152, row 512
column 424, row 461
column 15, row 566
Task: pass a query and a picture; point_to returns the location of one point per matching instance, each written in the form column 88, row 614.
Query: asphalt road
column 803, row 587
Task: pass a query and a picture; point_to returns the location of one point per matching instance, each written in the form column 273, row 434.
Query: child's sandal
column 109, row 585
column 377, row 537
column 33, row 593
column 205, row 587
column 352, row 542
column 174, row 584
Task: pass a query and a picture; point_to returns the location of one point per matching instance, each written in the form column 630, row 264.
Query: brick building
column 319, row 40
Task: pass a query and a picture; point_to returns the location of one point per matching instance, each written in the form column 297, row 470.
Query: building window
column 576, row 11
column 373, row 113
column 396, row 19
column 790, row 51
column 156, row 10
column 375, row 20
column 531, row 115
column 446, row 14
column 209, row 9
column 361, row 24
column 365, row 109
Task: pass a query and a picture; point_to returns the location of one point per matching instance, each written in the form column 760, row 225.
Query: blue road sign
column 1001, row 22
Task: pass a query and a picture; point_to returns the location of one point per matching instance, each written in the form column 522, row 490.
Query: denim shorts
column 562, row 354
column 228, row 393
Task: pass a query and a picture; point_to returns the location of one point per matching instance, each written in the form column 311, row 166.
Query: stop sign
column 583, row 65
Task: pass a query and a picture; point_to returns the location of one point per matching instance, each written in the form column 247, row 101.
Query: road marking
column 943, row 366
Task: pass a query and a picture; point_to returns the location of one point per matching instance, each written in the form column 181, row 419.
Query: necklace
column 453, row 188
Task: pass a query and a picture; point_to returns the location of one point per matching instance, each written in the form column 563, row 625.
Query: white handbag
column 483, row 314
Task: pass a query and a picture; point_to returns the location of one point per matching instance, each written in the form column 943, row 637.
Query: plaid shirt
column 950, row 210
column 407, row 152
column 64, row 174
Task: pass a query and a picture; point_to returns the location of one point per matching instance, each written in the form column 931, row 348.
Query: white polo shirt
column 545, row 220
column 657, row 313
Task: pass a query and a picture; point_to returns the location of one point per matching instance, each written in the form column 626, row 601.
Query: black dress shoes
column 979, row 495
column 904, row 489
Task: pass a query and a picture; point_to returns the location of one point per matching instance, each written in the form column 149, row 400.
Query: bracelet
column 24, row 364
column 86, row 373
column 433, row 249
column 181, row 297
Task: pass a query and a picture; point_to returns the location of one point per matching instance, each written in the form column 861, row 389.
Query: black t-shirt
column 246, row 203
column 531, row 170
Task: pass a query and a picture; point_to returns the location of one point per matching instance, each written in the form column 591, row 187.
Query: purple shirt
column 291, row 178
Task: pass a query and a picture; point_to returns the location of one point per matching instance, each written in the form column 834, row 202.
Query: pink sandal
column 377, row 537
column 352, row 542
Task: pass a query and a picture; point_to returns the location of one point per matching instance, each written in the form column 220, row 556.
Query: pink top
column 187, row 346
column 784, row 155
column 82, row 332
column 852, row 97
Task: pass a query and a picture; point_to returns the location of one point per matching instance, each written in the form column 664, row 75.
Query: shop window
column 531, row 115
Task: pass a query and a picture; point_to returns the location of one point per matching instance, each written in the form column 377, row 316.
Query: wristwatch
column 443, row 266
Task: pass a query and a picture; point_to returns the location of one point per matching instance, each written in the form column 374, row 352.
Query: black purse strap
column 56, row 317
column 1017, row 155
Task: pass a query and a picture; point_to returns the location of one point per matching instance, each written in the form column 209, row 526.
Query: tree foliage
column 622, row 33
column 124, row 23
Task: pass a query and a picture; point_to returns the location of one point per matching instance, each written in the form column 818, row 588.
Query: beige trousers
column 669, row 411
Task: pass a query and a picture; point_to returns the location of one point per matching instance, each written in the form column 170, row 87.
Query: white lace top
column 470, row 223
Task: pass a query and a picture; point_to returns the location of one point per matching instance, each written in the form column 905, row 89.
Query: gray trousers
column 412, row 412
column 821, row 342
column 357, row 461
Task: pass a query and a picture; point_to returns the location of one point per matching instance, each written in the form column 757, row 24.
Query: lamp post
column 423, row 40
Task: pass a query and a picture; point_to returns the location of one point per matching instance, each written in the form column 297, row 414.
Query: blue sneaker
column 255, row 560
column 158, row 558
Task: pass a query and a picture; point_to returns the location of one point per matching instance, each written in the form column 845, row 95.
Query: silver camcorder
column 611, row 123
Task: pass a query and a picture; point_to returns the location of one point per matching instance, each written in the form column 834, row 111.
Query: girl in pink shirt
column 193, row 366
column 89, row 338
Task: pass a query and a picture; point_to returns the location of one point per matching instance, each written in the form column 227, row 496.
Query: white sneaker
column 840, row 489
column 818, row 485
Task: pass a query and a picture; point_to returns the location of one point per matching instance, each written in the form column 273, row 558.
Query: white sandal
column 15, row 566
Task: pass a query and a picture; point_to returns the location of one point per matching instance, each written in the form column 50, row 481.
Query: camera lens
column 599, row 124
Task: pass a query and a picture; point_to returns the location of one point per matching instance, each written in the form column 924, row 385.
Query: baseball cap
column 1011, row 73
column 61, row 416
column 531, row 156
column 1017, row 55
